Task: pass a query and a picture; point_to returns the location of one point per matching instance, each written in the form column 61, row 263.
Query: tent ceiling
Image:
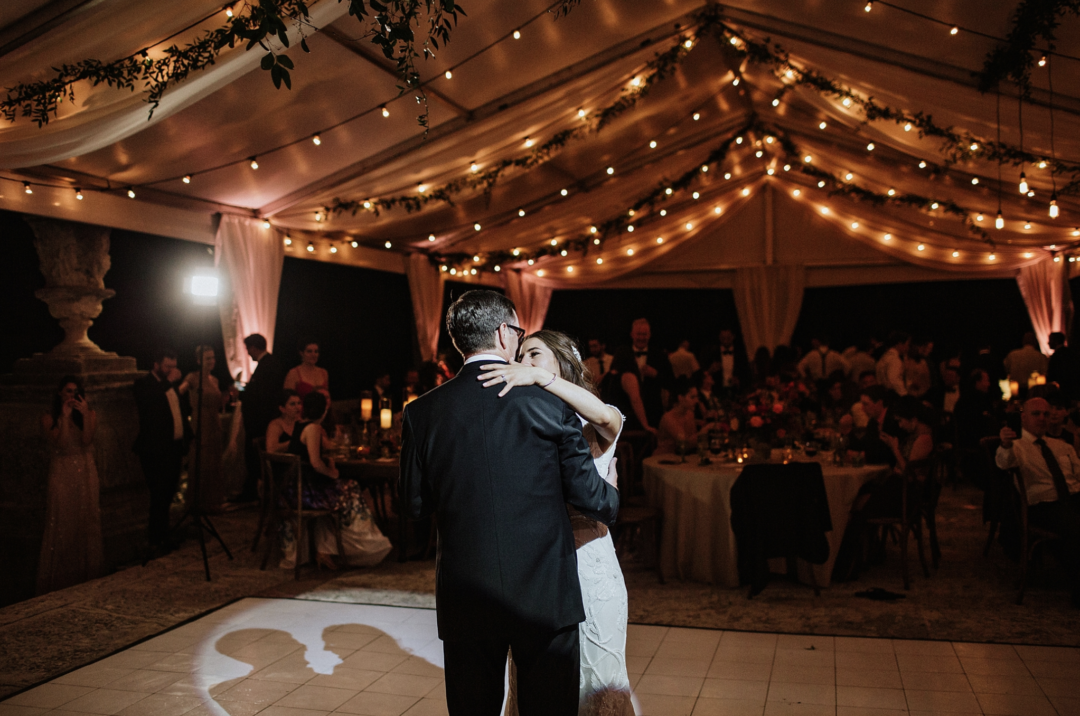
column 504, row 90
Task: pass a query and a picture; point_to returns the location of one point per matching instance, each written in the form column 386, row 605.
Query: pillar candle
column 365, row 409
column 385, row 417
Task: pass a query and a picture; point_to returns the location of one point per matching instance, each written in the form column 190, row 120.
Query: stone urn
column 74, row 260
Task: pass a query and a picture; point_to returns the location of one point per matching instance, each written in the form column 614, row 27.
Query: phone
column 1012, row 421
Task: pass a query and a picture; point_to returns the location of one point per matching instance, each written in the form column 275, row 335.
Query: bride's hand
column 513, row 374
column 612, row 476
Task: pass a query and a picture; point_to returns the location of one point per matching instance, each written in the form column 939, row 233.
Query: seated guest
column 599, row 360
column 821, row 362
column 837, row 400
column 890, row 369
column 1051, row 473
column 678, row 433
column 1025, row 360
column 308, row 376
column 883, row 497
column 621, row 387
column 880, row 423
column 280, row 430
column 977, row 412
column 683, row 363
column 859, row 359
column 708, row 407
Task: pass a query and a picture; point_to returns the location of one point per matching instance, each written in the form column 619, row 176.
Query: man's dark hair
column 256, row 341
column 160, row 353
column 876, row 393
column 896, row 338
column 314, row 405
column 475, row 316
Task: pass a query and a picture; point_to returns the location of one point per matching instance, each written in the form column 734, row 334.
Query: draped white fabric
column 1045, row 289
column 426, row 289
column 103, row 116
column 768, row 300
column 530, row 297
column 252, row 258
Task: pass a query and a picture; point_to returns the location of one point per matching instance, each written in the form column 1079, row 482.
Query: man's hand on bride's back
column 513, row 375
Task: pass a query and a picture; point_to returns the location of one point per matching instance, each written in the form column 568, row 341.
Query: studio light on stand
column 203, row 289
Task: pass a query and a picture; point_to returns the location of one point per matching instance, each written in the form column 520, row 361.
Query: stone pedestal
column 74, row 259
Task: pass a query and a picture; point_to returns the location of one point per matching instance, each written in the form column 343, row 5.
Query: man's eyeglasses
column 518, row 330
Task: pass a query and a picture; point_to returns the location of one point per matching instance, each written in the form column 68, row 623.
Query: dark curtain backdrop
column 362, row 320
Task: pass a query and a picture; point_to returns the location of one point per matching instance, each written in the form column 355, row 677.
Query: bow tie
column 641, row 353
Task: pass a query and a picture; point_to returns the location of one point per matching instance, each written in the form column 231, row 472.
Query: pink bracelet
column 553, row 377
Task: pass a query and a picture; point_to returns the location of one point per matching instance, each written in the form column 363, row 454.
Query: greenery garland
column 391, row 27
column 1032, row 20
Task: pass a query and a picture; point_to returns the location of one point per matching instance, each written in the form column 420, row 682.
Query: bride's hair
column 570, row 366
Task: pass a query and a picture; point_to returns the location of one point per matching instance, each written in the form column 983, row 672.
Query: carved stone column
column 74, row 260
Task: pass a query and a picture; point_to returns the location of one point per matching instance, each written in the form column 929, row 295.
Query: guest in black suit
column 259, row 408
column 162, row 438
column 497, row 473
column 729, row 365
column 657, row 378
column 882, row 422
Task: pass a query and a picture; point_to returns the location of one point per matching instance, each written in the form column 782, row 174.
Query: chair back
column 627, row 468
column 278, row 468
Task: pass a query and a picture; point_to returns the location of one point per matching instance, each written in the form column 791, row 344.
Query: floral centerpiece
column 768, row 416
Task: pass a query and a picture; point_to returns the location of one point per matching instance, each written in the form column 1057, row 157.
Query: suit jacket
column 262, row 394
column 714, row 363
column 498, row 474
column 877, row 452
column 651, row 388
column 155, row 416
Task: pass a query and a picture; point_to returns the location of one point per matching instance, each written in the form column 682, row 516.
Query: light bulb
column 599, row 261
column 787, row 167
column 974, row 180
column 316, row 140
column 421, row 188
column 476, row 227
column 311, row 248
column 78, row 194
column 921, row 247
column 735, row 82
column 891, row 192
column 570, row 269
column 563, row 252
column 131, row 193
column 529, row 142
column 796, row 192
column 887, row 237
column 954, row 30
column 727, row 175
column 473, row 272
column 849, row 176
column 521, row 212
column 1076, row 232
column 387, row 244
column 688, row 44
column 1042, row 61
column 907, row 127
column 999, row 222
column 443, row 268
column 738, row 140
column 629, row 252
column 596, row 241
column 934, row 206
column 1027, row 225
column 759, row 154
column 821, row 184
column 1023, row 183
column 254, row 163
column 870, row 147
column 854, row 224
column 770, row 171
column 497, row 268
column 476, row 259
column 384, row 110
column 718, row 210
column 354, row 243
column 581, row 113
column 266, row 223
column 333, row 249
column 449, row 75
column 689, row 226
column 825, row 210
column 431, row 237
column 1031, row 194
column 979, row 217
column 956, row 254
column 516, row 252
column 652, row 144
column 288, row 240
column 776, row 103
column 808, row 159
column 367, row 204
column 630, row 228
column 636, row 82
column 704, row 168
column 846, row 102
column 1042, row 164
column 610, row 170
column 228, row 12
column 696, row 195
column 592, row 229
column 697, row 116
column 922, row 165
column 991, row 257
column 1054, row 211
column 540, row 272
column 869, row 5
column 453, row 272
column 187, row 178
column 554, row 242
column 746, row 191
column 474, row 167
column 822, row 125
column 530, row 262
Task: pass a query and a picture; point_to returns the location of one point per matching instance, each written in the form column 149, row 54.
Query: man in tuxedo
column 259, row 407
column 498, row 473
column 657, row 377
column 599, row 360
column 729, row 366
column 162, row 438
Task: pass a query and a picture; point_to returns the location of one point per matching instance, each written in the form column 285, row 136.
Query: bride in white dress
column 549, row 359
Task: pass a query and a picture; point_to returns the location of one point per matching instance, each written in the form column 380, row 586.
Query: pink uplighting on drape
column 426, row 289
column 530, row 297
column 252, row 258
column 768, row 300
column 1045, row 288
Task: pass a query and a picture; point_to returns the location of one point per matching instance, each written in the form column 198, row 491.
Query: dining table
column 697, row 543
column 379, row 477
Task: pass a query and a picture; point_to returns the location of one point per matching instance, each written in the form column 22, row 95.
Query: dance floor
column 290, row 657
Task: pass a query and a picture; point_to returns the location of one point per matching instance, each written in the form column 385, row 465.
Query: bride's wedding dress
column 604, row 685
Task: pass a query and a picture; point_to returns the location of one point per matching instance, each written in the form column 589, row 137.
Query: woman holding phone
column 71, row 547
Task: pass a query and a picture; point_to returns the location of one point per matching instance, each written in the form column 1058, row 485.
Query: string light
column 476, row 227
column 770, row 171
column 854, row 224
column 663, row 212
column 776, row 103
column 228, row 12
column 476, row 259
column 1054, row 211
column 1031, row 194
column 473, row 272
column 956, row 254
column 610, row 170
column 796, row 192
column 738, row 140
column 516, row 252
column 823, row 125
column 824, row 210
column 1076, row 232
column 907, row 127
column 596, row 241
column 697, row 116
column 808, row 159
column 934, row 206
column 636, row 82
column 367, row 204
column 821, row 184
column 727, row 175
column 449, row 75
column 569, row 269
column 333, row 249
column 26, row 187
column 869, row 5
column 974, row 147
column 288, row 240
column 187, row 179
column 891, row 192
column 581, row 113
column 497, row 268
column 1027, row 225
column 689, row 226
column 592, row 229
column 131, row 192
column 316, row 140
column 599, row 261
column 554, row 242
column 354, row 243
column 759, row 154
column 517, row 34
column 540, row 273
column 870, row 147
column 565, row 192
column 696, row 195
column 266, row 223
column 979, row 217
column 652, row 144
column 78, row 193
column 688, row 44
column 1023, row 183
column 746, row 191
column 563, row 252
column 974, row 180
column 443, row 268
column 1042, row 165
column 659, row 239
column 704, row 168
column 529, row 142
column 735, row 82
column 846, row 102
column 384, row 110
column 453, row 272
column 629, row 252
column 921, row 247
column 787, row 167
column 630, row 228
column 318, row 215
column 991, row 257
column 254, row 163
column 431, row 237
column 849, row 176
column 530, row 262
column 718, row 211
column 887, row 237
column 954, row 30
column 1042, row 61
column 521, row 212
column 310, row 247
column 999, row 222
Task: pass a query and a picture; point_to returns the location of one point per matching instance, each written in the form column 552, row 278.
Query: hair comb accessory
column 576, row 353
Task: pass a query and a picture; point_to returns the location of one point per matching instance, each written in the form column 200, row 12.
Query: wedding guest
column 708, row 407
column 859, row 359
column 683, row 363
column 280, row 430
column 890, row 369
column 881, row 422
column 599, row 360
column 71, row 546
column 729, row 366
column 654, row 368
column 1063, row 367
column 821, row 361
column 836, row 400
column 160, row 443
column 381, row 389
column 678, row 432
column 308, row 376
column 1025, row 360
column 1057, row 416
column 917, row 375
column 867, row 378
column 206, row 484
column 621, row 387
column 1051, row 474
column 259, row 406
column 977, row 412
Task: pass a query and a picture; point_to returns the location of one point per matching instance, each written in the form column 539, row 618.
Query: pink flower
column 756, row 422
column 778, row 408
column 751, row 408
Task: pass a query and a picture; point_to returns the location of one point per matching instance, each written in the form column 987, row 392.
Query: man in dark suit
column 729, row 365
column 498, row 473
column 259, row 407
column 160, row 444
column 657, row 377
column 882, row 422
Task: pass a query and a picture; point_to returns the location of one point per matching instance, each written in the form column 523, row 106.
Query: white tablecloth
column 697, row 543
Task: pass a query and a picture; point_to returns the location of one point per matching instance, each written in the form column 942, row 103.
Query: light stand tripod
column 195, row 510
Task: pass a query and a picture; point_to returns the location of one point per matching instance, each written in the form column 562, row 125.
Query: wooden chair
column 1031, row 537
column 264, row 482
column 916, row 479
column 636, row 516
column 281, row 468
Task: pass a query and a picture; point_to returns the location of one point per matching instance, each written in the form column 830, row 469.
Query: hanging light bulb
column 387, row 244
column 907, row 127
column 431, row 237
column 565, row 192
column 953, row 30
column 316, row 140
column 254, row 163
column 228, row 12
column 991, row 257
column 999, row 222
column 78, row 193
column 887, row 237
column 697, row 116
column 869, row 5
column 310, row 247
column 978, row 217
column 288, row 240
column 529, row 142
column 333, row 249
column 474, row 167
column 727, row 175
column 891, row 192
column 599, row 261
column 476, row 227
column 384, row 110
column 921, row 247
column 870, row 147
column 563, row 252
column 449, row 75
column 663, row 212
column 822, row 125
column 517, row 34
column 592, row 229
column 922, row 165
column 187, row 178
column 610, row 170
column 956, row 254
column 354, row 243
column 974, row 180
column 131, row 192
column 581, row 113
column 367, row 204
column 795, row 192
column 652, row 144
column 266, row 223
column 846, row 102
column 1042, row 61
column 821, row 184
column 497, row 268
column 1054, row 211
column 1023, row 183
column 776, row 103
column 854, row 224
column 688, row 44
column 421, row 188
column 521, row 212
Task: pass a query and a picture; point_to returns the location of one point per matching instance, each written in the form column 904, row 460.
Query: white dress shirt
column 818, row 364
column 486, row 357
column 598, row 367
column 174, row 408
column 683, row 363
column 727, row 363
column 890, row 372
column 1027, row 456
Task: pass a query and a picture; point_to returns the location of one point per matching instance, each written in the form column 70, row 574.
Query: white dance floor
column 282, row 657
